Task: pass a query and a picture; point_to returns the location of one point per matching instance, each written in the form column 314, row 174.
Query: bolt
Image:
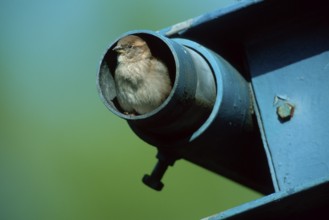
column 154, row 180
column 285, row 111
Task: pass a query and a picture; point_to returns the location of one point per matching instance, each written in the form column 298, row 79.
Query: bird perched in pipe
column 142, row 81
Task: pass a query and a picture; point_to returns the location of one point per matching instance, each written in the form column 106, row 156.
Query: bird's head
column 132, row 49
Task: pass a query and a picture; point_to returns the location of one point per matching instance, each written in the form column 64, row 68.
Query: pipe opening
column 106, row 82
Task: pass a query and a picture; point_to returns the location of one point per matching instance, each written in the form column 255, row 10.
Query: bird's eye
column 130, row 46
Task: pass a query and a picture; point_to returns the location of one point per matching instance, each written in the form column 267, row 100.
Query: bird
column 142, row 81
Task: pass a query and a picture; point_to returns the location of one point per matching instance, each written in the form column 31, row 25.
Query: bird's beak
column 118, row 49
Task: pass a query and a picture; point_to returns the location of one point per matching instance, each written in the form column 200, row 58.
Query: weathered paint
column 281, row 47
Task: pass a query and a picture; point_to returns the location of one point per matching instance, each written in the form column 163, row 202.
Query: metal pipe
column 205, row 117
column 205, row 89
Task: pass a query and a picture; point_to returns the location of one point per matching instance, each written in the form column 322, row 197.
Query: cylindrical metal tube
column 207, row 94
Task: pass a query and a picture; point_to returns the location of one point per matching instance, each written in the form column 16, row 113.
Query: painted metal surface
column 290, row 77
column 281, row 48
column 307, row 201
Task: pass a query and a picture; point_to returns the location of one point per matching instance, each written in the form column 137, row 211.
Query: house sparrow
column 142, row 81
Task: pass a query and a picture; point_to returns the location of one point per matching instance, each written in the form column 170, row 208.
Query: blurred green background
column 63, row 155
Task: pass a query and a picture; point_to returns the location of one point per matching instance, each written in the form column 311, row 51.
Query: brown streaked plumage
column 142, row 81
